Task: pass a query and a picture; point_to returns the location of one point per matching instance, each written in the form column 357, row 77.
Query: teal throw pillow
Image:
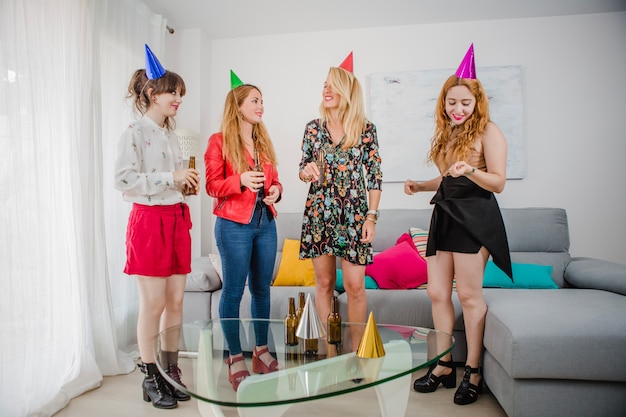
column 527, row 276
column 370, row 284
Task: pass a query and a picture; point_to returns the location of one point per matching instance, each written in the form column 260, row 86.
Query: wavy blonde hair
column 472, row 128
column 234, row 148
column 351, row 109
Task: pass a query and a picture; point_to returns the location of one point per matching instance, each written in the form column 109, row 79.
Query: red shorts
column 158, row 242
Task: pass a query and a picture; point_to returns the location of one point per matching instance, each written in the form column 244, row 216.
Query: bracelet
column 471, row 172
column 372, row 213
column 370, row 219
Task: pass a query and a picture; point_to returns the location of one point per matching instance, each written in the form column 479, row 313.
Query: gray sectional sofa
column 548, row 352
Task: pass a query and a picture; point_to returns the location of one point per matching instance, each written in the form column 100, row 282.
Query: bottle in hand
column 187, row 190
column 333, row 323
column 321, row 165
column 291, row 324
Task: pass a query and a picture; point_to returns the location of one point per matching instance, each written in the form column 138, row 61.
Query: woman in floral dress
column 341, row 160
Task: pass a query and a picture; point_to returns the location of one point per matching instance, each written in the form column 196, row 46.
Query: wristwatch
column 373, row 213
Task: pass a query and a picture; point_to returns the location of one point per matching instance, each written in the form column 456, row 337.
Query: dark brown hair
column 140, row 87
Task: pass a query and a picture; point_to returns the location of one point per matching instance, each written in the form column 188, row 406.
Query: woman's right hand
column 410, row 187
column 253, row 180
column 311, row 172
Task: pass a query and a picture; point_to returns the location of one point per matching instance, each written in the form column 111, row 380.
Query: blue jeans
column 247, row 251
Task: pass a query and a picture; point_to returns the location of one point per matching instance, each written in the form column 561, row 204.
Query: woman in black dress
column 466, row 226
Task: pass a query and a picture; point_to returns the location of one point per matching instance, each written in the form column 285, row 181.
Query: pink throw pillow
column 399, row 267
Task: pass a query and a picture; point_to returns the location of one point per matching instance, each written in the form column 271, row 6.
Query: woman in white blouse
column 149, row 172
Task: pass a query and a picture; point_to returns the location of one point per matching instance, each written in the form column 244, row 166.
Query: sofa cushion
column 563, row 334
column 370, row 283
column 399, row 267
column 597, row 274
column 420, row 239
column 293, row 271
column 203, row 276
column 525, row 276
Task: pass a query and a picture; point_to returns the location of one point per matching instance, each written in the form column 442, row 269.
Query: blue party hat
column 154, row 69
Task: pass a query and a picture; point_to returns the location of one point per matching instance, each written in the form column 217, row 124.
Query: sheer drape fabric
column 68, row 313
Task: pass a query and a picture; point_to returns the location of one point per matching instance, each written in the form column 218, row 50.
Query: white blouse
column 147, row 157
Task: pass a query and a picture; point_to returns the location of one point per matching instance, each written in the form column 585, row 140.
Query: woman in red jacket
column 241, row 176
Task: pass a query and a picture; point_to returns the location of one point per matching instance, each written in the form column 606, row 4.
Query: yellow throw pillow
column 293, row 271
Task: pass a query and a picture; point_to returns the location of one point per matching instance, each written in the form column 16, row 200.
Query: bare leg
column 151, row 305
column 440, row 277
column 354, row 283
column 470, row 270
column 173, row 313
column 325, row 278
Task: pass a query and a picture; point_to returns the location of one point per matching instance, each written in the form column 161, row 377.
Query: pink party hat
column 347, row 63
column 467, row 69
column 234, row 80
column 154, row 69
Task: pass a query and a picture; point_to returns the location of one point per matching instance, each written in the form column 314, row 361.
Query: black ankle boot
column 169, row 362
column 468, row 393
column 173, row 371
column 430, row 381
column 155, row 388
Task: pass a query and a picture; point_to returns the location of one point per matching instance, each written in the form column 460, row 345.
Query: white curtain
column 67, row 313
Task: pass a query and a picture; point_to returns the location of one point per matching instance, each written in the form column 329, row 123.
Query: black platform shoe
column 155, row 388
column 430, row 381
column 468, row 393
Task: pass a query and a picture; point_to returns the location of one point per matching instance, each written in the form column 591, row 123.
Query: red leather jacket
column 231, row 200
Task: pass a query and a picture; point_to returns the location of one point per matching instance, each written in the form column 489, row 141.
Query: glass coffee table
column 331, row 371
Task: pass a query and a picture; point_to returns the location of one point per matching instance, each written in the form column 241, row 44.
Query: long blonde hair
column 234, row 148
column 473, row 127
column 351, row 109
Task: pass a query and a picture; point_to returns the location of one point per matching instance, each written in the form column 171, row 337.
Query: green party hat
column 234, row 80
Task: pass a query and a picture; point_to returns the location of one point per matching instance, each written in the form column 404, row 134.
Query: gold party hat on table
column 371, row 345
column 310, row 326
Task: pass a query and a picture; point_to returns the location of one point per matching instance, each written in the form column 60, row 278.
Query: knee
column 438, row 295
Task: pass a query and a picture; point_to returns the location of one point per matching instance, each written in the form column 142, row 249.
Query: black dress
column 465, row 218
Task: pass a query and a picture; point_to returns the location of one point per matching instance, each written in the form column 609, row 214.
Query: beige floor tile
column 121, row 396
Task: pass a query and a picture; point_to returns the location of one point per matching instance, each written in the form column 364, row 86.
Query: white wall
column 574, row 103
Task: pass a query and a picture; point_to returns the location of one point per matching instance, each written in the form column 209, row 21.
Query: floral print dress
column 335, row 210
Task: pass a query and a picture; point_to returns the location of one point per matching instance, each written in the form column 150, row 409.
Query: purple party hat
column 154, row 69
column 467, row 69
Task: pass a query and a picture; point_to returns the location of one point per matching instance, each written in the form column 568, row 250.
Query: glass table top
column 304, row 373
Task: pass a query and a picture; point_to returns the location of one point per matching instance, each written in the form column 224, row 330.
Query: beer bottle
column 333, row 324
column 187, row 190
column 321, row 165
column 300, row 309
column 291, row 324
column 258, row 165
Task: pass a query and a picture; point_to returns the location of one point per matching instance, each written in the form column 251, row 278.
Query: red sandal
column 236, row 378
column 258, row 366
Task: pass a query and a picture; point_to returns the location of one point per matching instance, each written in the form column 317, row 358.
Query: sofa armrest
column 596, row 274
column 203, row 276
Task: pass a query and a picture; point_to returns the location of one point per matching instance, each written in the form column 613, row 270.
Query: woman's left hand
column 459, row 169
column 368, row 231
column 272, row 195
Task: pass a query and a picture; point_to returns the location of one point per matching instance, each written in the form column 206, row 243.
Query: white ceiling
column 236, row 18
